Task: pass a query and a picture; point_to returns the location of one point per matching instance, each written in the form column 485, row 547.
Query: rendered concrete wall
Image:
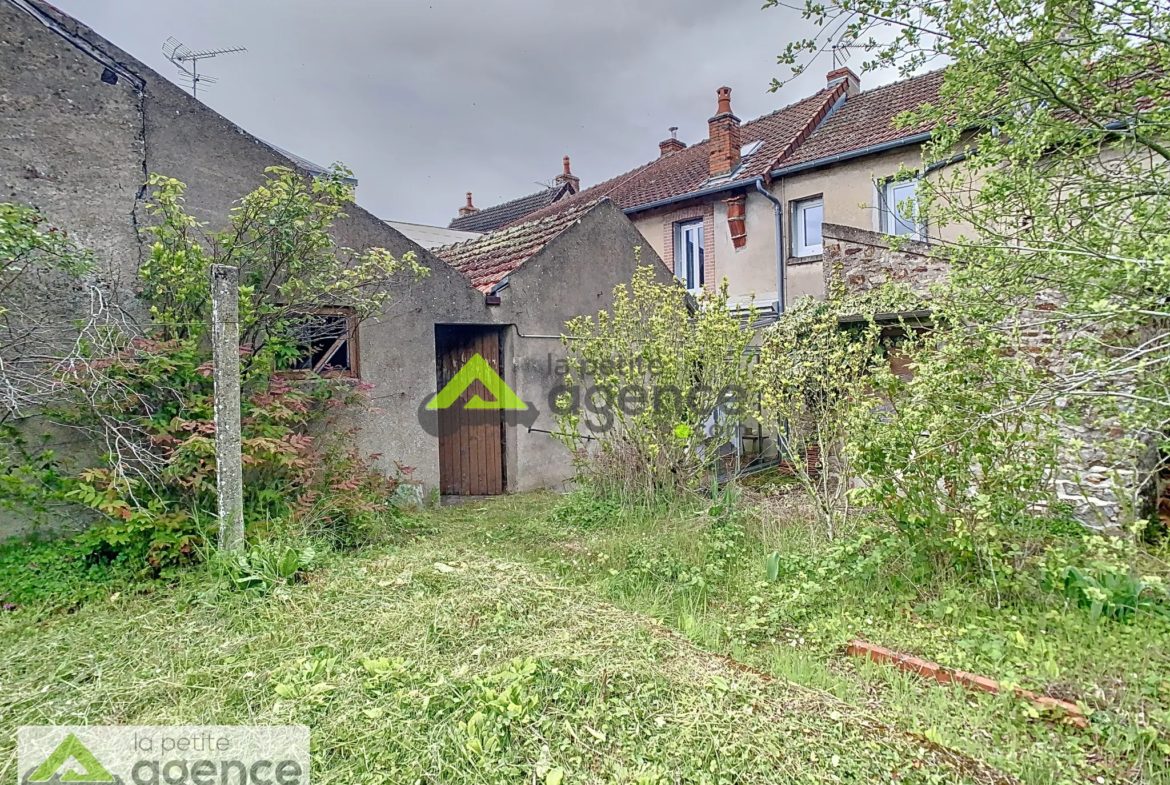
column 650, row 226
column 581, row 266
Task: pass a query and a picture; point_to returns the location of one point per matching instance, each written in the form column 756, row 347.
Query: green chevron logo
column 73, row 749
column 477, row 369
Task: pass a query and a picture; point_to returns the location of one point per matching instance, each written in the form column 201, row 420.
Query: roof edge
column 732, row 186
column 850, row 154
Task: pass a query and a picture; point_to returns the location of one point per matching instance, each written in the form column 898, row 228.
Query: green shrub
column 654, row 386
column 266, row 565
column 585, row 508
column 149, row 397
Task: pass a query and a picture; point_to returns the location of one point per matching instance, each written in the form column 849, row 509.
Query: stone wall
column 1105, row 478
column 857, row 260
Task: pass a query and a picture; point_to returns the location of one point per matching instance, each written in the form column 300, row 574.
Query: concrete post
column 225, row 356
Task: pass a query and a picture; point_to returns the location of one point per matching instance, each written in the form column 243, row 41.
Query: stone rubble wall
column 859, row 260
column 1102, row 474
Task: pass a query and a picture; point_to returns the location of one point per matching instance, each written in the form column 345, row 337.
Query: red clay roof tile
column 489, row 259
column 688, row 170
column 790, row 135
column 867, row 119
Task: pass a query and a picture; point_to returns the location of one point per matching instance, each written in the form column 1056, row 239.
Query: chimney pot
column 844, row 74
column 468, row 208
column 671, row 145
column 567, row 177
column 724, row 136
column 724, row 94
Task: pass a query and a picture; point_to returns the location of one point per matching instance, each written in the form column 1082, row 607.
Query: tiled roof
column 867, row 119
column 688, row 170
column 489, row 259
column 860, row 121
column 491, row 218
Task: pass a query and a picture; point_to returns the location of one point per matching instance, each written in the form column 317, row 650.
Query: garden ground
column 561, row 639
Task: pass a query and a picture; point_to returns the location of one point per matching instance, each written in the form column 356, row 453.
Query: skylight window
column 750, row 148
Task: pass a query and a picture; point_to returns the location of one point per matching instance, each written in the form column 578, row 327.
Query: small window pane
column 699, row 249
column 689, row 255
column 807, row 217
column 814, row 216
column 901, row 201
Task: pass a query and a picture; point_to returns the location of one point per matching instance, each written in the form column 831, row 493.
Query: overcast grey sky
column 426, row 100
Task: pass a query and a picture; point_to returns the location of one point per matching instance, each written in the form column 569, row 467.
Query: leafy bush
column 1101, row 576
column 267, row 565
column 657, row 384
column 811, row 373
column 149, row 397
column 65, row 572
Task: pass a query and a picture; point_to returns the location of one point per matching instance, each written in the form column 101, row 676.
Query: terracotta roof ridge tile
column 831, row 97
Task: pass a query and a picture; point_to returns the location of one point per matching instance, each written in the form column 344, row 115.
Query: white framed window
column 689, row 257
column 899, row 208
column 807, row 217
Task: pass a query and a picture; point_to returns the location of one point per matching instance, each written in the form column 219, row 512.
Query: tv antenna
column 841, row 52
column 188, row 62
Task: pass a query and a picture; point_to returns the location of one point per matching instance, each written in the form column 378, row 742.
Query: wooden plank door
column 471, row 441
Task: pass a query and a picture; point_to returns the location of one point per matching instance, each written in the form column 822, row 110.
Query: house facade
column 747, row 203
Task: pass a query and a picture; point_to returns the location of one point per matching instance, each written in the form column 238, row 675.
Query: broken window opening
column 328, row 342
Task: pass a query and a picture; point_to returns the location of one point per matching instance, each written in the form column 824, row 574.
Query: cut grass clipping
column 419, row 667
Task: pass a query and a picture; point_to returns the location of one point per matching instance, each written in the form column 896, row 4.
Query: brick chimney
column 724, row 135
column 468, row 208
column 671, row 145
column 568, row 177
column 838, row 75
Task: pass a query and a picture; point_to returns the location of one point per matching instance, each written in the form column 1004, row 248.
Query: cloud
column 426, row 100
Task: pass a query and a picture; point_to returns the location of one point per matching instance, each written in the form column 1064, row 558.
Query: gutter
column 736, row 184
column 715, row 189
column 776, row 210
column 870, row 150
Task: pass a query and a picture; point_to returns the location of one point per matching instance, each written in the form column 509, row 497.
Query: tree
column 146, row 393
column 1050, row 135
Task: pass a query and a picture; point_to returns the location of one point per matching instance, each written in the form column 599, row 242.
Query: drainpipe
column 776, row 209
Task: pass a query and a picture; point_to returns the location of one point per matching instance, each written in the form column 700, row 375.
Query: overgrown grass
column 706, row 578
column 518, row 639
column 441, row 663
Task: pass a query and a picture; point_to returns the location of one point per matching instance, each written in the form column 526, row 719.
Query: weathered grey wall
column 80, row 150
column 573, row 275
